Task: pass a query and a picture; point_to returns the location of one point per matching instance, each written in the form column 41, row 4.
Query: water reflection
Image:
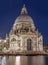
column 0, row 60
column 29, row 60
column 4, row 61
column 38, row 60
column 46, row 60
column 17, row 60
column 22, row 60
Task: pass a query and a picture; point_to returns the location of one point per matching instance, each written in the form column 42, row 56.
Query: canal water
column 23, row 60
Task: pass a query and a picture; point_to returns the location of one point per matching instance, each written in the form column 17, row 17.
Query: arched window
column 29, row 42
column 13, row 39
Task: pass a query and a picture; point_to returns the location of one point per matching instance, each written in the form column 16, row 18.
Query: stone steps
column 24, row 53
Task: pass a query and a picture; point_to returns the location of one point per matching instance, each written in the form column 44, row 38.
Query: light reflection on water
column 23, row 60
column 3, row 61
column 17, row 60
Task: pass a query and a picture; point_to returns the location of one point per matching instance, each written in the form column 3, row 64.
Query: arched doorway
column 29, row 42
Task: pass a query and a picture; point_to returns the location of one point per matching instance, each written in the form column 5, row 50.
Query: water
column 23, row 60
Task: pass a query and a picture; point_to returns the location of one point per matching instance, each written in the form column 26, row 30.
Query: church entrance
column 29, row 42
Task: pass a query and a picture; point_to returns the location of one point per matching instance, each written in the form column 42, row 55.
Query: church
column 24, row 36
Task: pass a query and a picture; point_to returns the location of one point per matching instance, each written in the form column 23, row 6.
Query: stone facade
column 23, row 35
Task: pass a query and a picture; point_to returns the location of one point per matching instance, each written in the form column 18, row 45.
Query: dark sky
column 37, row 9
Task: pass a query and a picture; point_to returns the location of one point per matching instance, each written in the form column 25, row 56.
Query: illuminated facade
column 23, row 35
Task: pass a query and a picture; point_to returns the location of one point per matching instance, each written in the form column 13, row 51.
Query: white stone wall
column 33, row 44
column 36, row 45
column 40, row 43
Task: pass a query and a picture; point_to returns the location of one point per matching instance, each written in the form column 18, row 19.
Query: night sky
column 37, row 9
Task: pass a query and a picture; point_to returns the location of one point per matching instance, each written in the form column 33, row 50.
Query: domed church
column 23, row 35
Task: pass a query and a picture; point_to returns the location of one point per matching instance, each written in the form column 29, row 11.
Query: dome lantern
column 24, row 10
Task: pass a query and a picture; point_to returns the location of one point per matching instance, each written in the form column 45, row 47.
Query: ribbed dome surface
column 24, row 18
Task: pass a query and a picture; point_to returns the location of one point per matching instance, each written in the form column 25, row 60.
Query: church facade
column 23, row 35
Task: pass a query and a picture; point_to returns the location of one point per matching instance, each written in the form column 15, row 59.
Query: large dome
column 24, row 17
column 23, row 22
